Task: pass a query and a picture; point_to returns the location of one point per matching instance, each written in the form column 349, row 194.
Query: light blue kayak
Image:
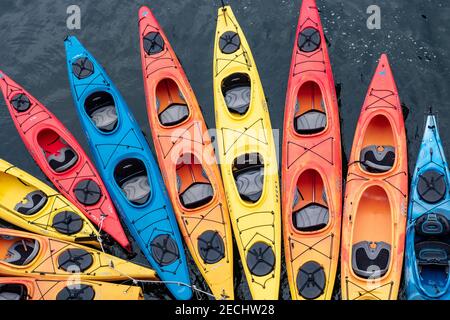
column 428, row 232
column 130, row 173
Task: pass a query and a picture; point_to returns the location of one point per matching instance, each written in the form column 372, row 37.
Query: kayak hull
column 152, row 223
column 247, row 139
column 311, row 157
column 375, row 203
column 420, row 284
column 187, row 142
column 57, row 259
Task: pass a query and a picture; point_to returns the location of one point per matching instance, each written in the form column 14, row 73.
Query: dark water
column 414, row 33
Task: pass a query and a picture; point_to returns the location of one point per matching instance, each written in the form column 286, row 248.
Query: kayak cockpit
column 59, row 154
column 378, row 148
column 18, row 251
column 194, row 187
column 310, row 110
column 101, row 109
column 171, row 105
column 432, row 252
column 310, row 206
column 132, row 178
column 236, row 90
column 372, row 234
column 19, row 196
column 13, row 292
column 248, row 173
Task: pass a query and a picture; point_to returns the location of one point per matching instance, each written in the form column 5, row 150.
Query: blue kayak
column 128, row 168
column 428, row 231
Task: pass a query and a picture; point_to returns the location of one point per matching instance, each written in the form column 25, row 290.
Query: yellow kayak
column 22, row 288
column 248, row 158
column 30, row 255
column 32, row 205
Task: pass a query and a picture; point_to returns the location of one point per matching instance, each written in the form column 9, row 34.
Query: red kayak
column 62, row 159
column 312, row 164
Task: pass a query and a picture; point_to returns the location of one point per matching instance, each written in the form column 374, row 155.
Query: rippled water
column 414, row 33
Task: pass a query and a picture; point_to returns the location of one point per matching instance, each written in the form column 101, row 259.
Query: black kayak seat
column 64, row 160
column 174, row 114
column 431, row 186
column 377, row 159
column 137, row 189
column 311, row 122
column 101, row 108
column 432, row 253
column 105, row 118
column 250, row 182
column 312, row 217
column 32, row 203
column 22, row 252
column 196, row 195
column 371, row 259
column 13, row 292
column 432, row 225
column 236, row 90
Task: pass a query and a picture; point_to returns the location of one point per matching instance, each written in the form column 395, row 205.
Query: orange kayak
column 375, row 202
column 21, row 288
column 312, row 164
column 186, row 157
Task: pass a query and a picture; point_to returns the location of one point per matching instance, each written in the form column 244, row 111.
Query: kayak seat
column 101, row 108
column 432, row 224
column 371, row 259
column 250, row 183
column 312, row 217
column 32, row 203
column 197, row 195
column 137, row 189
column 131, row 176
column 310, row 122
column 63, row 160
column 237, row 93
column 248, row 173
column 22, row 252
column 174, row 114
column 10, row 292
column 432, row 253
column 377, row 159
column 431, row 186
column 105, row 118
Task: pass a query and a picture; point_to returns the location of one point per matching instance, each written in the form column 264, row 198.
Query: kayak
column 27, row 254
column 376, row 195
column 61, row 158
column 247, row 157
column 427, row 242
column 311, row 164
column 126, row 164
column 31, row 205
column 22, row 288
column 186, row 158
